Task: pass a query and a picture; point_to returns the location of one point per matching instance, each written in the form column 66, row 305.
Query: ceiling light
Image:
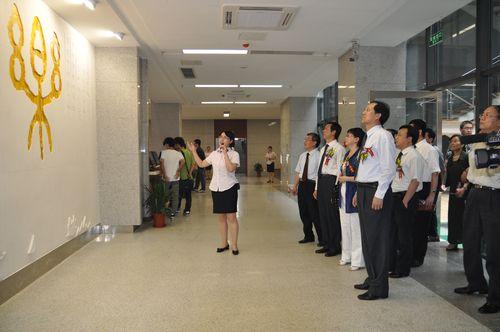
column 226, row 114
column 352, row 103
column 351, row 86
column 270, row 124
column 342, row 86
column 216, row 102
column 261, row 86
column 117, row 35
column 196, row 51
column 216, row 85
column 250, row 102
column 90, row 4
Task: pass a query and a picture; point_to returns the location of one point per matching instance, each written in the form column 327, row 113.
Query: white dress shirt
column 431, row 158
column 412, row 167
column 222, row 179
column 379, row 165
column 312, row 168
column 483, row 176
column 333, row 158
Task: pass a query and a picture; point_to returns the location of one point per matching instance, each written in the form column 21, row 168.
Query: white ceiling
column 163, row 27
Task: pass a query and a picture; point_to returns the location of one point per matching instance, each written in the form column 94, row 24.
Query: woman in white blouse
column 224, row 187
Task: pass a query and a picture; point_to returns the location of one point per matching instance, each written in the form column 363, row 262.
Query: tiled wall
column 117, row 79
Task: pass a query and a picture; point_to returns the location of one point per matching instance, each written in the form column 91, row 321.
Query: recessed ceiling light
column 261, row 85
column 216, row 85
column 216, row 102
column 250, row 102
column 199, row 51
column 226, row 114
column 351, row 86
column 342, row 86
column 90, row 4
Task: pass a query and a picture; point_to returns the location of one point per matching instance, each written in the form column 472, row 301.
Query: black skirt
column 226, row 201
column 270, row 168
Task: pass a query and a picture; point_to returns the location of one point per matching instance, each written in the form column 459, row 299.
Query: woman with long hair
column 224, row 187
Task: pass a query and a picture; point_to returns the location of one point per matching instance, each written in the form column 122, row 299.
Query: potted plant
column 258, row 169
column 156, row 201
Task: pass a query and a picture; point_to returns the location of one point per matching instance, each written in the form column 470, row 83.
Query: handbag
column 422, row 207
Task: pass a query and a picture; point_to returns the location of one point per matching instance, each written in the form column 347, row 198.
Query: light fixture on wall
column 226, row 114
column 119, row 35
column 90, row 4
column 270, row 124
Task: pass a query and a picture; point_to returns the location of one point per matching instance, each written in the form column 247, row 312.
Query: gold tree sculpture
column 20, row 83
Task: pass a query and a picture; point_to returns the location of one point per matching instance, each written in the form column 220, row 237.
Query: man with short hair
column 374, row 199
column 200, row 172
column 306, row 174
column 326, row 191
column 408, row 180
column 427, row 195
column 430, row 137
column 171, row 163
column 482, row 221
column 186, row 178
column 466, row 129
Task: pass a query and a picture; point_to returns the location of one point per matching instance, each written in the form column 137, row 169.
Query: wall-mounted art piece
column 38, row 53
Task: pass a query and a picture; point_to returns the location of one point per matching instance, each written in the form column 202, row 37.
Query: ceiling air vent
column 188, row 73
column 257, row 18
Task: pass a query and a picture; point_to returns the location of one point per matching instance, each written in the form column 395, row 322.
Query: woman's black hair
column 169, row 141
column 230, row 135
column 180, row 142
column 358, row 133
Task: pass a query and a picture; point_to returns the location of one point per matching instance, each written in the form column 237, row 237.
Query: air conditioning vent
column 188, row 73
column 257, row 18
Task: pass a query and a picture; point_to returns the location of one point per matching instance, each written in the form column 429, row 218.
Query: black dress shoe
column 362, row 286
column 370, row 297
column 331, row 253
column 469, row 290
column 306, row 241
column 398, row 275
column 320, row 244
column 489, row 308
column 321, row 251
column 223, row 249
column 236, row 252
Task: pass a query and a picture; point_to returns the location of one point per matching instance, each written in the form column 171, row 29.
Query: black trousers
column 185, row 188
column 375, row 234
column 200, row 179
column 308, row 210
column 433, row 225
column 456, row 208
column 482, row 221
column 421, row 226
column 401, row 234
column 329, row 216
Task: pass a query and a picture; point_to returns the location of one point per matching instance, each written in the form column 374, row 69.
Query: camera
column 485, row 158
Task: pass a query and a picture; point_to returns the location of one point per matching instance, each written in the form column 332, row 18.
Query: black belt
column 399, row 193
column 478, row 186
column 373, row 185
column 305, row 181
column 326, row 176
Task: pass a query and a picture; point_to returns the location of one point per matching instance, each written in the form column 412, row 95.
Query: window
column 495, row 33
column 451, row 46
column 415, row 62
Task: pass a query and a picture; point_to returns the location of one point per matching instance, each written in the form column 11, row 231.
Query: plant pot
column 259, row 174
column 159, row 220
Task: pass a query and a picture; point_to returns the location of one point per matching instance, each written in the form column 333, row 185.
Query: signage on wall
column 436, row 38
column 38, row 53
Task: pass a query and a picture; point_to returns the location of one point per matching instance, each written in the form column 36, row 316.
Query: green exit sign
column 436, row 38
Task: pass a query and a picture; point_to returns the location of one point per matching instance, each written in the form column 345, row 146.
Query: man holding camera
column 482, row 219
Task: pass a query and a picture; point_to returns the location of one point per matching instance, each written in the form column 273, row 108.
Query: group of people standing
column 372, row 200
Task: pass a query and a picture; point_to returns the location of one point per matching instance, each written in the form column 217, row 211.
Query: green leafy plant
column 157, row 197
column 258, row 168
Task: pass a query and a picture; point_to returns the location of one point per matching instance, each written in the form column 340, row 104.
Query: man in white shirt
column 482, row 221
column 306, row 174
column 171, row 163
column 374, row 199
column 326, row 193
column 427, row 195
column 408, row 180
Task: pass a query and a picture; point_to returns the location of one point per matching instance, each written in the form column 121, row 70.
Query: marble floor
column 171, row 279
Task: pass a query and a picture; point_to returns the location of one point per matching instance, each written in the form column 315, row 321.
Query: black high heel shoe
column 223, row 249
column 236, row 252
